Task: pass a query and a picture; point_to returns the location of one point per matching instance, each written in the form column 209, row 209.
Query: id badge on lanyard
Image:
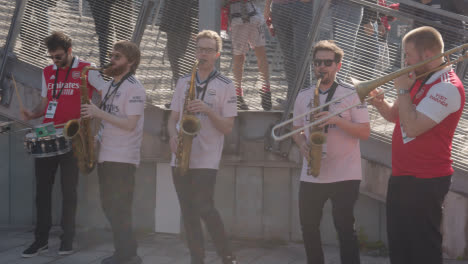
column 51, row 109
column 406, row 139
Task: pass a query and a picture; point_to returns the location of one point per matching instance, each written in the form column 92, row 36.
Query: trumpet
column 363, row 88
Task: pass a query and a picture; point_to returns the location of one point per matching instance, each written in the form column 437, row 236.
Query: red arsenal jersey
column 67, row 92
column 428, row 155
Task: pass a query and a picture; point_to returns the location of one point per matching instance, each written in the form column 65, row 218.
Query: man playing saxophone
column 215, row 105
column 121, row 112
column 60, row 103
column 426, row 114
column 340, row 173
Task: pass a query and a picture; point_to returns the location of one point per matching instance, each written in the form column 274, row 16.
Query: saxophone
column 189, row 128
column 79, row 131
column 316, row 139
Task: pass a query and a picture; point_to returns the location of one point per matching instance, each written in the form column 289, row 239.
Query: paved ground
column 93, row 246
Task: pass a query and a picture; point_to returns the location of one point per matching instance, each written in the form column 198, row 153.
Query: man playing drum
column 60, row 102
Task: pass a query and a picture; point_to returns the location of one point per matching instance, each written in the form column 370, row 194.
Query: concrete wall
column 256, row 190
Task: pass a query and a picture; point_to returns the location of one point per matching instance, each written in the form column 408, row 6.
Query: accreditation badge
column 50, row 113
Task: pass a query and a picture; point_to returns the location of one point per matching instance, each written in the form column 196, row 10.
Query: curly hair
column 131, row 51
column 58, row 40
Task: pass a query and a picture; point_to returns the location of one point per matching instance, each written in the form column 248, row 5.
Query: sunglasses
column 327, row 63
column 56, row 57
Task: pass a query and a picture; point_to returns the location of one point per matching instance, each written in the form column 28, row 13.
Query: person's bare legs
column 238, row 70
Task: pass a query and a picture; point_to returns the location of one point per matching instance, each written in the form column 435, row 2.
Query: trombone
column 363, row 88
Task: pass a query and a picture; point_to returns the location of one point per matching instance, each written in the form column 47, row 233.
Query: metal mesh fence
column 6, row 14
column 168, row 48
column 377, row 54
column 93, row 25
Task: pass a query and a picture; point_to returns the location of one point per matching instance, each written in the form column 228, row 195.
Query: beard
column 62, row 63
column 113, row 71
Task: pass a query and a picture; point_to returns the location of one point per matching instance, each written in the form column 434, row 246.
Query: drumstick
column 17, row 93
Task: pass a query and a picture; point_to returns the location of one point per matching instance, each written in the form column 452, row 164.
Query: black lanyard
column 202, row 90
column 330, row 94
column 65, row 81
column 114, row 91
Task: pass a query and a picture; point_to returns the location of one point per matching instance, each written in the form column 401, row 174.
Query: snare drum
column 48, row 146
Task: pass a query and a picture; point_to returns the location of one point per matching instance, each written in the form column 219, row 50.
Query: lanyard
column 56, row 78
column 330, row 94
column 109, row 93
column 203, row 89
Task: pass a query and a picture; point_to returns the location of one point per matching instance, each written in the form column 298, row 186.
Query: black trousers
column 195, row 191
column 181, row 51
column 414, row 215
column 116, row 186
column 312, row 197
column 45, row 169
column 111, row 17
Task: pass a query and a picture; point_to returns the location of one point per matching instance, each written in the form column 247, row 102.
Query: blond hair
column 425, row 38
column 210, row 34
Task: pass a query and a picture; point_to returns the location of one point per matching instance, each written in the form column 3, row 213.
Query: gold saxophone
column 316, row 139
column 189, row 128
column 80, row 133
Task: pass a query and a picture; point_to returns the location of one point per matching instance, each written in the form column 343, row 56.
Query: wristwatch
column 403, row 91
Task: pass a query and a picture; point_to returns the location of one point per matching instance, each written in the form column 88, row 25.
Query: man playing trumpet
column 340, row 173
column 426, row 113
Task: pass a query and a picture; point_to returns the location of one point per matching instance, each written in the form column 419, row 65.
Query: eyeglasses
column 116, row 56
column 56, row 57
column 327, row 63
column 206, row 50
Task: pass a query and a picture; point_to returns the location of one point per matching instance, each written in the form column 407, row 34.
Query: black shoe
column 241, row 105
column 66, row 248
column 109, row 260
column 266, row 100
column 133, row 260
column 229, row 260
column 35, row 249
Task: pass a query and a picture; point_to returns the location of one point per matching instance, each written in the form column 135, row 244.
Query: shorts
column 243, row 35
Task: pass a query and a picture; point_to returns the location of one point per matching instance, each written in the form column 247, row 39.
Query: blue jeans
column 292, row 23
column 346, row 18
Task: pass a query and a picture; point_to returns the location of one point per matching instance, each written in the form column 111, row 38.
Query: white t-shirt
column 343, row 157
column 118, row 145
column 207, row 145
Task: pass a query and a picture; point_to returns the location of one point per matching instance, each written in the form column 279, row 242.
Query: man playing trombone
column 426, row 113
column 340, row 171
